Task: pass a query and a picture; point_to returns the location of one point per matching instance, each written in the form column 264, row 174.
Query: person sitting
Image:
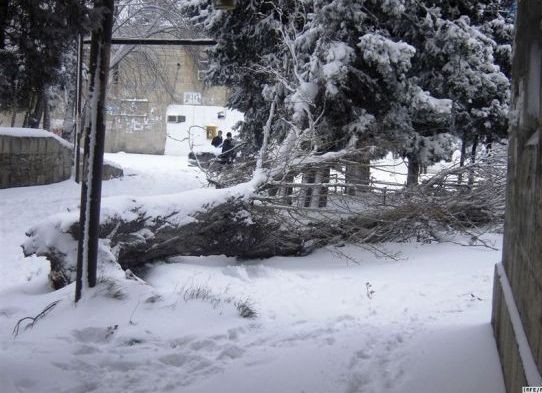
column 217, row 140
column 228, row 146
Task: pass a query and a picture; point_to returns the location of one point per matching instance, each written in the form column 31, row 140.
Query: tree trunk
column 36, row 115
column 358, row 173
column 489, row 145
column 463, row 155
column 46, row 111
column 219, row 230
column 28, row 113
column 413, row 170
column 13, row 116
column 306, row 192
column 72, row 108
column 319, row 193
column 25, row 119
column 286, row 192
column 473, row 150
column 473, row 160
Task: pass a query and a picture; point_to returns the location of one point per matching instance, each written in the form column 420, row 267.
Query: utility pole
column 94, row 136
column 78, row 120
column 91, row 188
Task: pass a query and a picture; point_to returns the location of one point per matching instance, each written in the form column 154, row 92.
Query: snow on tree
column 403, row 76
column 464, row 55
column 34, row 35
column 339, row 73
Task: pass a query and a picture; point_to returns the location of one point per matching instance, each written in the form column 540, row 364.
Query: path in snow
column 425, row 328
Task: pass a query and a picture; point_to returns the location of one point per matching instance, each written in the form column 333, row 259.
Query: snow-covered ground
column 318, row 329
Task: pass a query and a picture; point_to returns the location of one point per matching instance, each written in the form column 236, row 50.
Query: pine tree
column 463, row 53
column 405, row 76
column 34, row 35
column 335, row 61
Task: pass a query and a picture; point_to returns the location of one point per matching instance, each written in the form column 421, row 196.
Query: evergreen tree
column 336, row 68
column 401, row 75
column 462, row 53
column 34, row 35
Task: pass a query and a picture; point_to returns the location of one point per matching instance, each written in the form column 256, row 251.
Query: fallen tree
column 134, row 232
column 248, row 220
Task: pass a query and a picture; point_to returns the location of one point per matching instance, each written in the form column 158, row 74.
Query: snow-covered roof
column 32, row 133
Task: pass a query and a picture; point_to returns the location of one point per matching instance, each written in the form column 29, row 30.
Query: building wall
column 522, row 253
column 30, row 161
column 146, row 82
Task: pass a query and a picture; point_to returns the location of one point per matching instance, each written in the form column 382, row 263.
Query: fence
column 333, row 187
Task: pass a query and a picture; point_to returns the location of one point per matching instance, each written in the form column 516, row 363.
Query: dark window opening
column 176, row 119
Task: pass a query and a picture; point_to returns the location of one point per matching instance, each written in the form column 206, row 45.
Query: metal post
column 91, row 189
column 161, row 41
column 78, row 89
column 94, row 140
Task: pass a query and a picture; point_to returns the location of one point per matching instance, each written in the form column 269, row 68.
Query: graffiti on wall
column 132, row 115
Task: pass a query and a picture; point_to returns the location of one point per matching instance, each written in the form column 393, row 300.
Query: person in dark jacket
column 217, row 140
column 227, row 149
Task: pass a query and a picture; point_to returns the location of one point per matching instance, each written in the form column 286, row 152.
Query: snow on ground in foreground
column 425, row 328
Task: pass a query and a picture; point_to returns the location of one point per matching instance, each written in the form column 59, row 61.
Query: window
column 176, row 119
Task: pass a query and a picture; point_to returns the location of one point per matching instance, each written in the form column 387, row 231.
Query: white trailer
column 186, row 126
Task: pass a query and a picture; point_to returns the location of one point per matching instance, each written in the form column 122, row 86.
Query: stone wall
column 517, row 302
column 33, row 160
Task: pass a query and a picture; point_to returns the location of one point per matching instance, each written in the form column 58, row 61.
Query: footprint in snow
column 175, row 359
column 231, row 352
column 95, row 335
column 119, row 365
column 233, row 333
column 207, row 345
column 181, row 341
column 86, row 350
column 85, row 387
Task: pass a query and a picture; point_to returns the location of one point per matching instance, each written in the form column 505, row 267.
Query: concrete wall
column 522, row 253
column 30, row 161
column 146, row 82
column 135, row 133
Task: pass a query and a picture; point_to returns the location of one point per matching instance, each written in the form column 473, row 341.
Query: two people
column 228, row 153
